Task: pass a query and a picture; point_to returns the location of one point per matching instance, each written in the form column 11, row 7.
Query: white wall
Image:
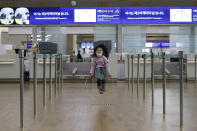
column 77, row 30
column 20, row 30
column 12, row 39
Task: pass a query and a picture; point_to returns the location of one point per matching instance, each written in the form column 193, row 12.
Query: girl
column 100, row 67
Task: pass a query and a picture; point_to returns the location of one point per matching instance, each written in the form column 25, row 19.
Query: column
column 119, row 38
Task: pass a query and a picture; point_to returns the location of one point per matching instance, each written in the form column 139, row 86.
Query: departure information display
column 99, row 15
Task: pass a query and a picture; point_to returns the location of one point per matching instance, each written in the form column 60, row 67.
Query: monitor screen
column 29, row 46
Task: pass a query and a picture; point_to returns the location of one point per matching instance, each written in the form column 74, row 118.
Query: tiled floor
column 81, row 109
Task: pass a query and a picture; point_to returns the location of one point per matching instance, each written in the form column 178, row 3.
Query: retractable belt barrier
column 162, row 57
column 59, row 77
column 44, row 48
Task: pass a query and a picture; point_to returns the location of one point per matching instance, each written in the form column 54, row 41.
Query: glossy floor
column 81, row 109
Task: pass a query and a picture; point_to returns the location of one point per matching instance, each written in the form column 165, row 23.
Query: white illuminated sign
column 148, row 45
column 180, row 15
column 85, row 15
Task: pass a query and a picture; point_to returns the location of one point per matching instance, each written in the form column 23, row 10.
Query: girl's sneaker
column 103, row 88
column 100, row 91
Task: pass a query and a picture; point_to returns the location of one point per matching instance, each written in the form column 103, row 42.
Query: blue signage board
column 157, row 45
column 69, row 15
column 47, row 15
column 67, row 18
column 112, row 15
column 158, row 15
column 51, row 15
column 165, row 44
column 144, row 15
column 107, row 15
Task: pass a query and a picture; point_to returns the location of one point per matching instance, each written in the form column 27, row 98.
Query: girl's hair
column 105, row 51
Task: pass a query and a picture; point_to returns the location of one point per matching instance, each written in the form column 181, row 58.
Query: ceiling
column 94, row 3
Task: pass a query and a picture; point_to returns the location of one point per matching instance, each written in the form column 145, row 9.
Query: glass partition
column 106, row 33
column 134, row 38
column 168, row 38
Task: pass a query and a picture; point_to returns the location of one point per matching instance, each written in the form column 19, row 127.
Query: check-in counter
column 172, row 67
column 9, row 67
column 141, row 68
column 40, row 68
column 83, row 68
column 191, row 68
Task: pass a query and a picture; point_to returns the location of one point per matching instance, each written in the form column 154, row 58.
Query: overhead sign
column 99, row 15
column 144, row 15
column 7, row 16
column 69, row 15
column 109, row 15
column 52, row 15
column 10, row 16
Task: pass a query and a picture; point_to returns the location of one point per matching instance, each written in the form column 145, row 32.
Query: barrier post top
column 44, row 56
column 21, row 53
column 34, row 55
column 152, row 54
column 163, row 55
column 181, row 54
column 144, row 56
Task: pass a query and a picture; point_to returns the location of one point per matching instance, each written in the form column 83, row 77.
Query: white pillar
column 119, row 38
column 34, row 34
column 75, row 43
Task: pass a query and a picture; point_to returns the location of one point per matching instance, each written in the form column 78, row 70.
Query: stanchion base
column 164, row 116
column 35, row 117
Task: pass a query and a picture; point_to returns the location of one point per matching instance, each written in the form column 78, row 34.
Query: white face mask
column 99, row 54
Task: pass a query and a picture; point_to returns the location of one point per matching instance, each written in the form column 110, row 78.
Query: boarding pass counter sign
column 84, row 15
column 180, row 15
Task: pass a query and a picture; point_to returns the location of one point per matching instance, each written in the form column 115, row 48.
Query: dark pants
column 99, row 81
column 26, row 76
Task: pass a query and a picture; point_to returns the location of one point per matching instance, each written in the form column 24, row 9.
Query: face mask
column 99, row 54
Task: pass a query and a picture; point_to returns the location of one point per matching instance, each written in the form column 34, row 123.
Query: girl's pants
column 99, row 81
